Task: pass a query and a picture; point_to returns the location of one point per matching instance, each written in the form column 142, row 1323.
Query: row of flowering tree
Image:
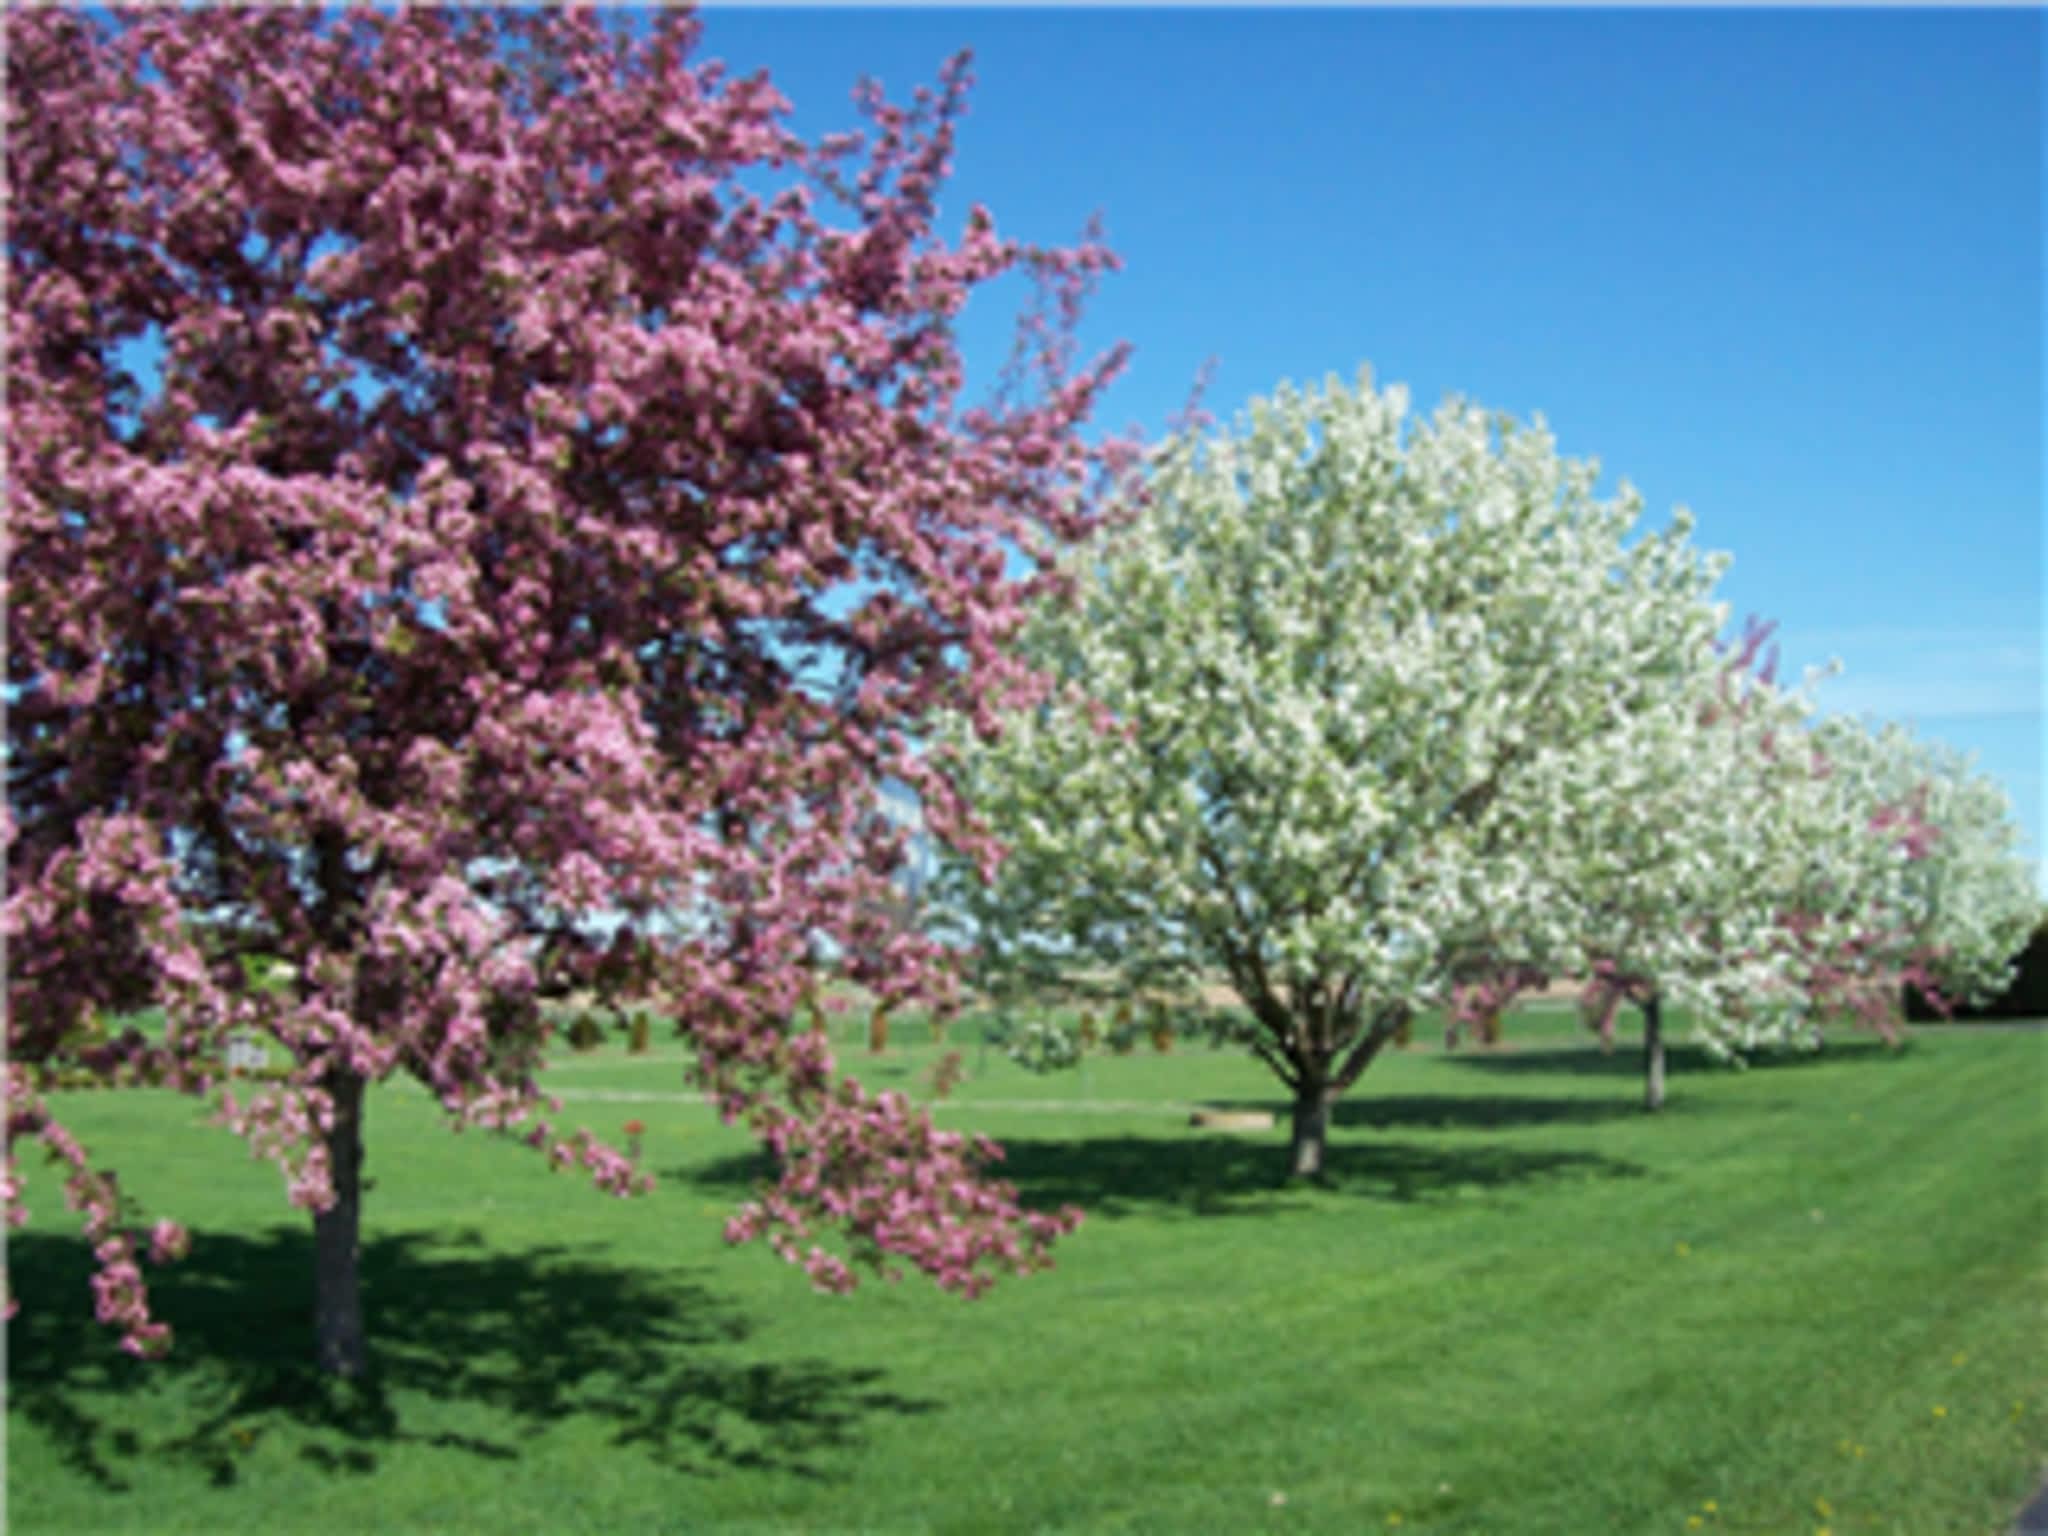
column 437, row 464
column 454, row 494
column 1369, row 714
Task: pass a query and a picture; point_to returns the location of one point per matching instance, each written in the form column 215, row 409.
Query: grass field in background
column 1807, row 1296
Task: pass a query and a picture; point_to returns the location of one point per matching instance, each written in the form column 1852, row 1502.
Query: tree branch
column 1283, row 1069
column 1385, row 1025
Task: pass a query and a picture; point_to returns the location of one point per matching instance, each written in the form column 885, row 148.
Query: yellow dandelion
column 2018, row 1407
column 1710, row 1507
column 1940, row 1412
column 1394, row 1517
column 1859, row 1453
column 1823, row 1508
column 1823, row 1530
column 1959, row 1357
column 1693, row 1522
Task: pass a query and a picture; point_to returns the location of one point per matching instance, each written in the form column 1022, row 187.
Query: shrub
column 2025, row 996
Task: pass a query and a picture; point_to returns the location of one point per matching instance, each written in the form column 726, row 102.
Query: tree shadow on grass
column 536, row 1337
column 1626, row 1059
column 1449, row 1111
column 1230, row 1174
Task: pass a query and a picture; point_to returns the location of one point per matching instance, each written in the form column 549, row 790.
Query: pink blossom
column 168, row 1241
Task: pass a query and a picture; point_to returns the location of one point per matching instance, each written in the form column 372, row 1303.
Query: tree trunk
column 1653, row 1055
column 337, row 1249
column 1311, row 1132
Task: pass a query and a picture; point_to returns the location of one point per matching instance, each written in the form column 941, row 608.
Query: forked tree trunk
column 1653, row 1055
column 1311, row 1133
column 337, row 1249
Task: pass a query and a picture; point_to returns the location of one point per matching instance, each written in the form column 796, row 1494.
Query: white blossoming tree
column 1800, row 871
column 1952, row 903
column 1702, row 821
column 1320, row 697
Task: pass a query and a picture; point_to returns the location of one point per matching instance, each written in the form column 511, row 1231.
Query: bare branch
column 1385, row 1025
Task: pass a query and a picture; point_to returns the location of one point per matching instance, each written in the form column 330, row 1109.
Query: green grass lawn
column 1806, row 1296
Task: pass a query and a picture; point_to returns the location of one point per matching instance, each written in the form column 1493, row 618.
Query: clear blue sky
column 1783, row 267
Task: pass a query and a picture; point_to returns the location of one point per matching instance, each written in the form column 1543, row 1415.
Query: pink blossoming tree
column 487, row 506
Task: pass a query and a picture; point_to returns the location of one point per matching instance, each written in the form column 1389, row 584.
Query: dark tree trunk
column 1311, row 1132
column 337, row 1248
column 1653, row 1054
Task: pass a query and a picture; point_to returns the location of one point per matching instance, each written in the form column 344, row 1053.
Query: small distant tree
column 1846, row 863
column 1676, row 875
column 1944, row 902
column 1317, row 702
column 450, row 497
column 1486, row 991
